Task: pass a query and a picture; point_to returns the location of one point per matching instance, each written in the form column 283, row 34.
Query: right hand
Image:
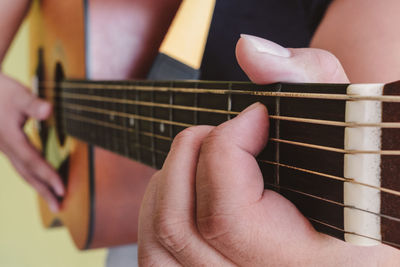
column 17, row 104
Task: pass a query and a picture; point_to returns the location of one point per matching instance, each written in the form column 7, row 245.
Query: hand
column 17, row 104
column 208, row 206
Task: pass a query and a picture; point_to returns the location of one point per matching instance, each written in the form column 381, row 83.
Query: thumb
column 267, row 62
column 228, row 175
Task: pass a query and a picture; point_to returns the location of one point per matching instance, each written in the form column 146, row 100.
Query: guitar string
column 313, row 196
column 392, row 218
column 345, row 97
column 338, row 178
column 285, row 188
column 66, row 95
column 353, row 233
column 186, row 125
column 382, row 189
column 101, row 123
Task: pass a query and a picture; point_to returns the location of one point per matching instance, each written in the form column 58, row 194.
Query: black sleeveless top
column 290, row 23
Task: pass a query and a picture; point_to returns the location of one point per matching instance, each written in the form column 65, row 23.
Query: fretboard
column 305, row 156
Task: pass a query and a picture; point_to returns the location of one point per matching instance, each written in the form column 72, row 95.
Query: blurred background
column 23, row 240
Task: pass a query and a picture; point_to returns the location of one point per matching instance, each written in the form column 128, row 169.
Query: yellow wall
column 23, row 240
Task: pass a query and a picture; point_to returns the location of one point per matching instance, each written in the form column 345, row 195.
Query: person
column 239, row 223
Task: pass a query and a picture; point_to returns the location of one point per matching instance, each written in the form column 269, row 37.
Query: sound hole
column 58, row 110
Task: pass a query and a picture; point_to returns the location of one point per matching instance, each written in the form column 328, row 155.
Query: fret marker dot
column 131, row 121
column 162, row 127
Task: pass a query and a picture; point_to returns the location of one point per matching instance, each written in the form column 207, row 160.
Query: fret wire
column 275, row 117
column 229, row 107
column 125, row 134
column 334, row 202
column 107, row 135
column 137, row 126
column 171, row 113
column 277, row 134
column 153, row 156
column 196, row 104
column 276, row 140
column 345, row 97
column 112, row 117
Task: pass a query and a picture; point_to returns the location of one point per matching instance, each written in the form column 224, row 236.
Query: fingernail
column 266, row 46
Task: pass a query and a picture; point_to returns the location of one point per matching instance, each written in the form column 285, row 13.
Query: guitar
column 332, row 149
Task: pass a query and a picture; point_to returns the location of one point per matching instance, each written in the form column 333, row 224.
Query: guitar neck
column 331, row 151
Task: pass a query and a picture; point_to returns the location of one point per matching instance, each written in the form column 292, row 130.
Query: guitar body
column 104, row 190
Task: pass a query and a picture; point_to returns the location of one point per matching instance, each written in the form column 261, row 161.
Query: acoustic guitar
column 333, row 148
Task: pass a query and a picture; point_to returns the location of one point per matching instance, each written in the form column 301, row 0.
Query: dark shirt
column 290, row 23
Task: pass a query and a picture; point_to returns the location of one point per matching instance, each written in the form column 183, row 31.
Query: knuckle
column 171, row 233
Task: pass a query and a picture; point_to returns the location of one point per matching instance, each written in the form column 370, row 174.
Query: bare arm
column 365, row 36
column 12, row 12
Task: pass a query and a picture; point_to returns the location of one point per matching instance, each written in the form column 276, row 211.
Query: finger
column 33, row 162
column 31, row 105
column 234, row 212
column 228, row 176
column 267, row 62
column 41, row 188
column 150, row 251
column 175, row 226
column 227, row 161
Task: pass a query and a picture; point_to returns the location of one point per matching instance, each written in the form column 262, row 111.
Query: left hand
column 207, row 206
